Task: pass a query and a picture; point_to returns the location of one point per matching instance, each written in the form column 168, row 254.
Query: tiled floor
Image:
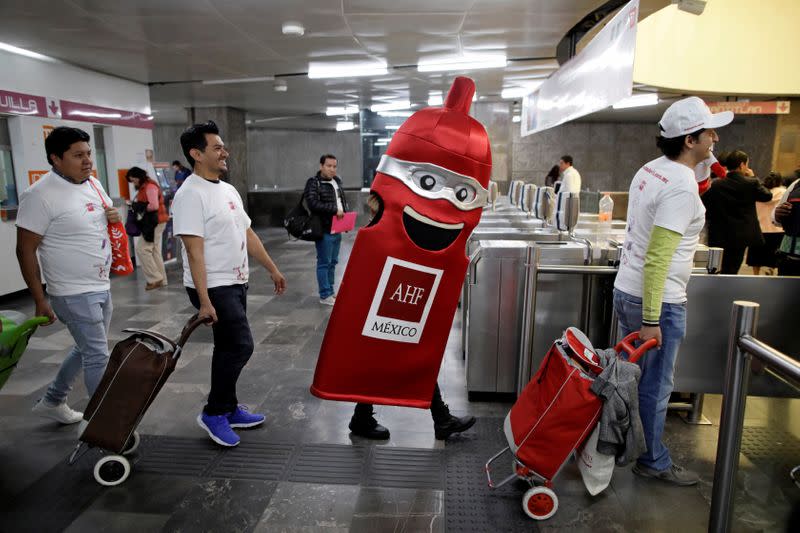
column 200, row 488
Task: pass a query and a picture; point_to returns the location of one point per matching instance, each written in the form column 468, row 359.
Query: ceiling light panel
column 346, row 69
column 461, row 62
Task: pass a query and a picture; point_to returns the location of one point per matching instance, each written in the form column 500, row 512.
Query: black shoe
column 453, row 424
column 368, row 427
column 677, row 475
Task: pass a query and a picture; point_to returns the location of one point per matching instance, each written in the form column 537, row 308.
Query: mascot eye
column 465, row 193
column 427, row 182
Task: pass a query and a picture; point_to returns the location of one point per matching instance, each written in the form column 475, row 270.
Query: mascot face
column 438, row 205
column 433, row 178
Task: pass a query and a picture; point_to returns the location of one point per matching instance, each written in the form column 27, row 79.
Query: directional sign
column 776, row 107
column 53, row 108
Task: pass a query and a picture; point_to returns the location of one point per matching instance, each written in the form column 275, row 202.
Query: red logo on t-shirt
column 90, row 207
column 232, row 205
column 406, row 294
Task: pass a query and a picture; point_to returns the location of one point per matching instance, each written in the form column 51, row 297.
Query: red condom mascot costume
column 389, row 327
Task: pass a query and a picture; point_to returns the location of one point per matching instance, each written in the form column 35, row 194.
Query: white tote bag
column 596, row 468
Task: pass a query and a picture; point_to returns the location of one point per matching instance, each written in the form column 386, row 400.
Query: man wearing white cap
column 665, row 217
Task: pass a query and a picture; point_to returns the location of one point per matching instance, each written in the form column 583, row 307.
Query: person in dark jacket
column 731, row 211
column 325, row 198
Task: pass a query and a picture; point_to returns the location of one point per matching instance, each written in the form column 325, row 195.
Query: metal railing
column 742, row 347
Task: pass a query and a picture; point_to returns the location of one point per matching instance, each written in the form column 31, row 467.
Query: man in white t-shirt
column 62, row 217
column 209, row 217
column 665, row 217
column 570, row 177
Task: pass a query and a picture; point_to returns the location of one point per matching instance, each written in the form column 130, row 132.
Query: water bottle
column 606, row 208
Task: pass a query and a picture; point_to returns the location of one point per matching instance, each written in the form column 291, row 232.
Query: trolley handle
column 189, row 328
column 626, row 345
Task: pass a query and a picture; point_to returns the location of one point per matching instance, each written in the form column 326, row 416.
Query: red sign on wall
column 777, row 107
column 39, row 106
column 22, row 104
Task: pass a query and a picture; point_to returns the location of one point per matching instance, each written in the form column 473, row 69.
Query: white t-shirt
column 332, row 181
column 571, row 181
column 663, row 193
column 75, row 253
column 213, row 211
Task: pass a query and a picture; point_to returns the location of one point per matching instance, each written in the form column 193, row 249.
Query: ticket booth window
column 8, row 187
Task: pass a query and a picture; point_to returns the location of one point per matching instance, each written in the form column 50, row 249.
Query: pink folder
column 346, row 223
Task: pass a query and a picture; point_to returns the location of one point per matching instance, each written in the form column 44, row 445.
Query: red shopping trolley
column 552, row 417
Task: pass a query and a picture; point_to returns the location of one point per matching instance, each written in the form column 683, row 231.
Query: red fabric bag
column 553, row 415
column 121, row 263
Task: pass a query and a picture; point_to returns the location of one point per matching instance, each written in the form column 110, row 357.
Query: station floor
column 302, row 471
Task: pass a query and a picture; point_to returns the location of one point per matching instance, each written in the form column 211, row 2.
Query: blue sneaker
column 218, row 429
column 241, row 418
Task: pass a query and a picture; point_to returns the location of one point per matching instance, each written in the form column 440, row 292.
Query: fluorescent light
column 345, row 125
column 393, row 127
column 23, row 52
column 435, row 99
column 519, row 92
column 92, row 114
column 383, row 139
column 462, row 62
column 381, row 143
column 346, row 69
column 338, row 111
column 397, row 114
column 291, row 27
column 637, row 100
column 516, row 118
column 391, row 106
column 238, row 80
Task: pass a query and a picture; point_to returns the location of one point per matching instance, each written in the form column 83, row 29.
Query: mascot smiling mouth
column 427, row 233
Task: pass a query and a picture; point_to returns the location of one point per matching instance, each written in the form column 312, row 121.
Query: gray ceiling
column 186, row 41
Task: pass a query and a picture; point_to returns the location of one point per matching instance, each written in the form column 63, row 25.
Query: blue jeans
column 327, row 259
column 87, row 317
column 658, row 366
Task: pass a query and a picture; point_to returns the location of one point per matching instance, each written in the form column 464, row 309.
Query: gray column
column 233, row 131
column 496, row 118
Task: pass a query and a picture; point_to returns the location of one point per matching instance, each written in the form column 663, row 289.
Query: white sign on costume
column 599, row 76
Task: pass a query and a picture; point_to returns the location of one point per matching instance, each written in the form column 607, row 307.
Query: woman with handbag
column 151, row 218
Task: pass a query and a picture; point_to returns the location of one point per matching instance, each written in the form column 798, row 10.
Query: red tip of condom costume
column 388, row 330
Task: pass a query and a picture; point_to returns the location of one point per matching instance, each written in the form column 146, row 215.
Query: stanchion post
column 744, row 317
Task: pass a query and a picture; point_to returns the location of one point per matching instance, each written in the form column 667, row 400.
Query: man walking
column 325, row 198
column 62, row 217
column 570, row 177
column 210, row 219
column 665, row 217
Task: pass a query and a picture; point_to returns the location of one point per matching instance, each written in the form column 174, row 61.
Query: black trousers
column 233, row 345
column 439, row 410
column 732, row 258
column 788, row 265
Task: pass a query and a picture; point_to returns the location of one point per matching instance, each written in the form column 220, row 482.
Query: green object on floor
column 15, row 331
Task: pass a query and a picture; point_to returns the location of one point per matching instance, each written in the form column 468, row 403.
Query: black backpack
column 302, row 224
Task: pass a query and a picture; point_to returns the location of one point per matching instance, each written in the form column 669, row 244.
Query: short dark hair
column 325, row 157
column 735, row 159
column 177, row 163
column 673, row 146
column 195, row 137
column 137, row 172
column 566, row 158
column 61, row 138
column 773, row 180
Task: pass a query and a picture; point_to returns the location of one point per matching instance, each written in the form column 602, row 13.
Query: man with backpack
column 325, row 198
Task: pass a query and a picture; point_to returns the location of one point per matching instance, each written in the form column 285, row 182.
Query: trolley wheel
column 133, row 443
column 112, row 470
column 540, row 503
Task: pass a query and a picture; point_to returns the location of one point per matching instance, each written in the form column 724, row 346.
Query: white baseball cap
column 690, row 115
